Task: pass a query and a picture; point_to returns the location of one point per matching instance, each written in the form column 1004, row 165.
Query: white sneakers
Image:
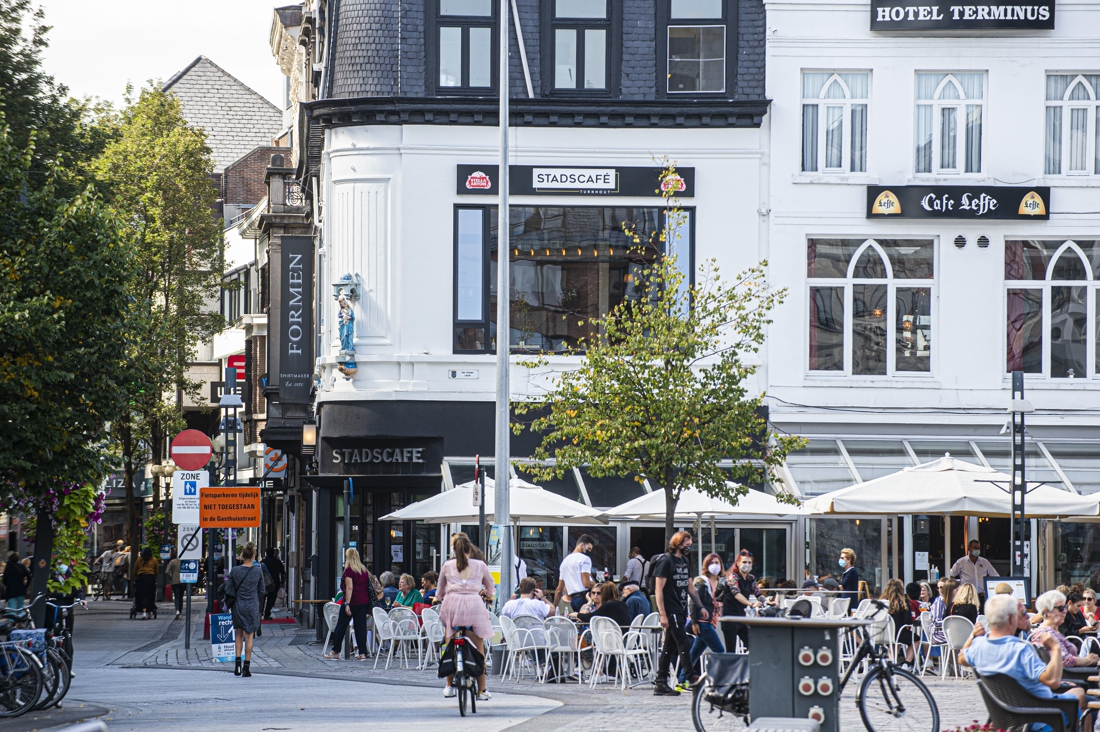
column 484, row 695
column 449, row 692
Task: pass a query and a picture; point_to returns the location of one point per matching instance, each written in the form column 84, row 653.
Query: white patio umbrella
column 530, row 505
column 695, row 505
column 950, row 486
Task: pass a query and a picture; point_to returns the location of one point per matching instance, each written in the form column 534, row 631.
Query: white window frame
column 1091, row 285
column 1092, row 107
column 937, row 104
column 846, row 104
column 892, row 284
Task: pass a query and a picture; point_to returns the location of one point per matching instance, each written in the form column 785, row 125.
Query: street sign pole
column 1019, row 477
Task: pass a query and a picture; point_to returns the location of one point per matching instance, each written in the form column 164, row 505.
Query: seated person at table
column 635, row 600
column 1052, row 607
column 966, row 602
column 1088, row 607
column 1075, row 618
column 427, row 584
column 897, row 605
column 1001, row 652
column 529, row 601
column 389, row 589
column 407, row 594
column 610, row 606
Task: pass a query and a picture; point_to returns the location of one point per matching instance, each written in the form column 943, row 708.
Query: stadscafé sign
column 940, row 15
column 572, row 180
column 959, row 202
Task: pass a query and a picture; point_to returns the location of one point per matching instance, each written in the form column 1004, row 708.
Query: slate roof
column 236, row 119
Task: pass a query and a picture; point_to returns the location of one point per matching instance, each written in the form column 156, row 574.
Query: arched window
column 1051, row 307
column 1072, row 111
column 949, row 123
column 870, row 306
column 831, row 102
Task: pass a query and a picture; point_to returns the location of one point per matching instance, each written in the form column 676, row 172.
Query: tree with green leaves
column 660, row 392
column 156, row 174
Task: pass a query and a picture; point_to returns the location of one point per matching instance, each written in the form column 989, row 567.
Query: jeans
column 359, row 615
column 577, row 602
column 707, row 638
column 676, row 643
column 16, row 603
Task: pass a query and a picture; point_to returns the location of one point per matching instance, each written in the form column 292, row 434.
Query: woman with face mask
column 849, row 579
column 706, row 631
column 737, row 592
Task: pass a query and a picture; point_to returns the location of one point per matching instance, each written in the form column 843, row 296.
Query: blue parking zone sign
column 189, row 571
column 190, row 487
column 221, row 637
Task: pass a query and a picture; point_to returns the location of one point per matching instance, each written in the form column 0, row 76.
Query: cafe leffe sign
column 571, row 180
column 940, row 15
column 959, row 202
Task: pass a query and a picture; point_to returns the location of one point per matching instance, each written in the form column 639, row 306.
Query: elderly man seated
column 635, row 600
column 529, row 601
column 1002, row 652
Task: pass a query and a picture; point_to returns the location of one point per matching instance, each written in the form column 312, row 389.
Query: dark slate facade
column 380, row 52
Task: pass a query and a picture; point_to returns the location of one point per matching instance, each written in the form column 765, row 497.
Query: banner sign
column 221, row 638
column 569, row 180
column 232, row 507
column 959, row 202
column 296, row 320
column 940, row 15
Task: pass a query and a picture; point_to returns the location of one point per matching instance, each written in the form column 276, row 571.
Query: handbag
column 281, row 594
column 376, row 588
column 229, row 594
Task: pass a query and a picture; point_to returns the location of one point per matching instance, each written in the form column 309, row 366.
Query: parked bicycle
column 890, row 698
column 50, row 646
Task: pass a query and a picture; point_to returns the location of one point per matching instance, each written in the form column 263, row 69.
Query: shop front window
column 870, row 306
column 863, row 536
column 569, row 267
column 1077, row 554
column 603, row 553
column 540, row 547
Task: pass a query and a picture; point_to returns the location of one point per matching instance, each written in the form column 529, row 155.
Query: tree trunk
column 126, row 436
column 43, row 560
column 671, row 500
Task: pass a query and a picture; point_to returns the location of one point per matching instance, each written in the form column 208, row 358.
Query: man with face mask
column 737, row 592
column 974, row 568
column 672, row 578
column 575, row 574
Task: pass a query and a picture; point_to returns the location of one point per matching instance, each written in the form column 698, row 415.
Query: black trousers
column 731, row 632
column 272, row 598
column 359, row 616
column 676, row 643
column 177, row 595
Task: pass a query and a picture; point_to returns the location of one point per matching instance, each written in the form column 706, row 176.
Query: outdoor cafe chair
column 331, row 613
column 432, row 634
column 957, row 629
column 383, row 628
column 839, row 607
column 610, row 643
column 1010, row 706
column 562, row 644
column 521, row 645
column 932, row 648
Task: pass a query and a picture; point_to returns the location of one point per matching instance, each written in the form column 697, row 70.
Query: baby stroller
column 134, row 610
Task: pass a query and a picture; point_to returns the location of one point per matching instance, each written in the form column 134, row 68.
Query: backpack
column 648, row 580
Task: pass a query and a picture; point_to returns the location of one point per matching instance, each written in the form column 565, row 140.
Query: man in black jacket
column 278, row 574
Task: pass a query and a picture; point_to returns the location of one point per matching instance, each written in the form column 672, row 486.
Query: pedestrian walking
column 16, row 579
column 174, row 580
column 672, row 577
column 245, row 585
column 107, row 569
column 145, row 593
column 465, row 585
column 357, row 605
column 278, row 575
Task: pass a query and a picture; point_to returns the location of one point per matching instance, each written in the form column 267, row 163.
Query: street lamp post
column 1019, row 408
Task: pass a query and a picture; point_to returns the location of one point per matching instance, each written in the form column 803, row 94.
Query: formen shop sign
column 940, row 15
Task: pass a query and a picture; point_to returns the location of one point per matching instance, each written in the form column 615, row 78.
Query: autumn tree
column 156, row 173
column 661, row 389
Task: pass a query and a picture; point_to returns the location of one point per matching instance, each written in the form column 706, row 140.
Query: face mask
column 975, row 553
column 841, row 562
column 745, row 567
column 714, row 568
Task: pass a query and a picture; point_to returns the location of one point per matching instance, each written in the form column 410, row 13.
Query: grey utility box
column 794, row 667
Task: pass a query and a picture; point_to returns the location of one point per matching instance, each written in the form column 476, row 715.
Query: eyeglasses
column 1090, row 599
column 1059, row 608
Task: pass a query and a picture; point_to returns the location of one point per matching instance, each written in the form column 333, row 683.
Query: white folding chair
column 957, row 629
column 432, row 634
column 563, row 642
column 331, row 613
column 653, row 634
column 839, row 607
column 521, row 642
column 383, row 629
column 405, row 627
column 609, row 644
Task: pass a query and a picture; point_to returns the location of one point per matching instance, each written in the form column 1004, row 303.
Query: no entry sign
column 229, row 508
column 191, row 450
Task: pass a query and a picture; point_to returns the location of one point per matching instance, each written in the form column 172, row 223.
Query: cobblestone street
column 290, row 673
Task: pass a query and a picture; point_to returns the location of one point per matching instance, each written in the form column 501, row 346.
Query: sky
column 98, row 46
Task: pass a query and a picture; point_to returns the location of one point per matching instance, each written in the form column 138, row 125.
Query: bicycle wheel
column 64, row 675
column 460, row 680
column 52, row 671
column 20, row 681
column 895, row 700
column 709, row 718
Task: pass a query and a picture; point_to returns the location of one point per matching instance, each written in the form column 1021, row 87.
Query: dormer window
column 466, row 44
column 699, row 45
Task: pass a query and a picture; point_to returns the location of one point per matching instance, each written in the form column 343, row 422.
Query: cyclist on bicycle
column 465, row 585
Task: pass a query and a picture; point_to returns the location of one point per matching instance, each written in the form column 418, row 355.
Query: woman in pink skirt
column 465, row 585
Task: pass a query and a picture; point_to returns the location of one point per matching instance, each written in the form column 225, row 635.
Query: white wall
column 968, row 350
column 387, row 213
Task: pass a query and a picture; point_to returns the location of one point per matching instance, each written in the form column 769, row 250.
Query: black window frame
column 612, row 24
column 433, row 25
column 488, row 282
column 665, row 20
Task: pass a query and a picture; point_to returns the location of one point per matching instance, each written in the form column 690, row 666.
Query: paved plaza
column 136, row 675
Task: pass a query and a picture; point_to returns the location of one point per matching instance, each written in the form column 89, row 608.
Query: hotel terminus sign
column 941, row 15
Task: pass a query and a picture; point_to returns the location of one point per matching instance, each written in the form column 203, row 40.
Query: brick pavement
column 287, row 649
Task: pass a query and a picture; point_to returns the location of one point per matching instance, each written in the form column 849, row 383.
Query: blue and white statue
column 346, row 291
